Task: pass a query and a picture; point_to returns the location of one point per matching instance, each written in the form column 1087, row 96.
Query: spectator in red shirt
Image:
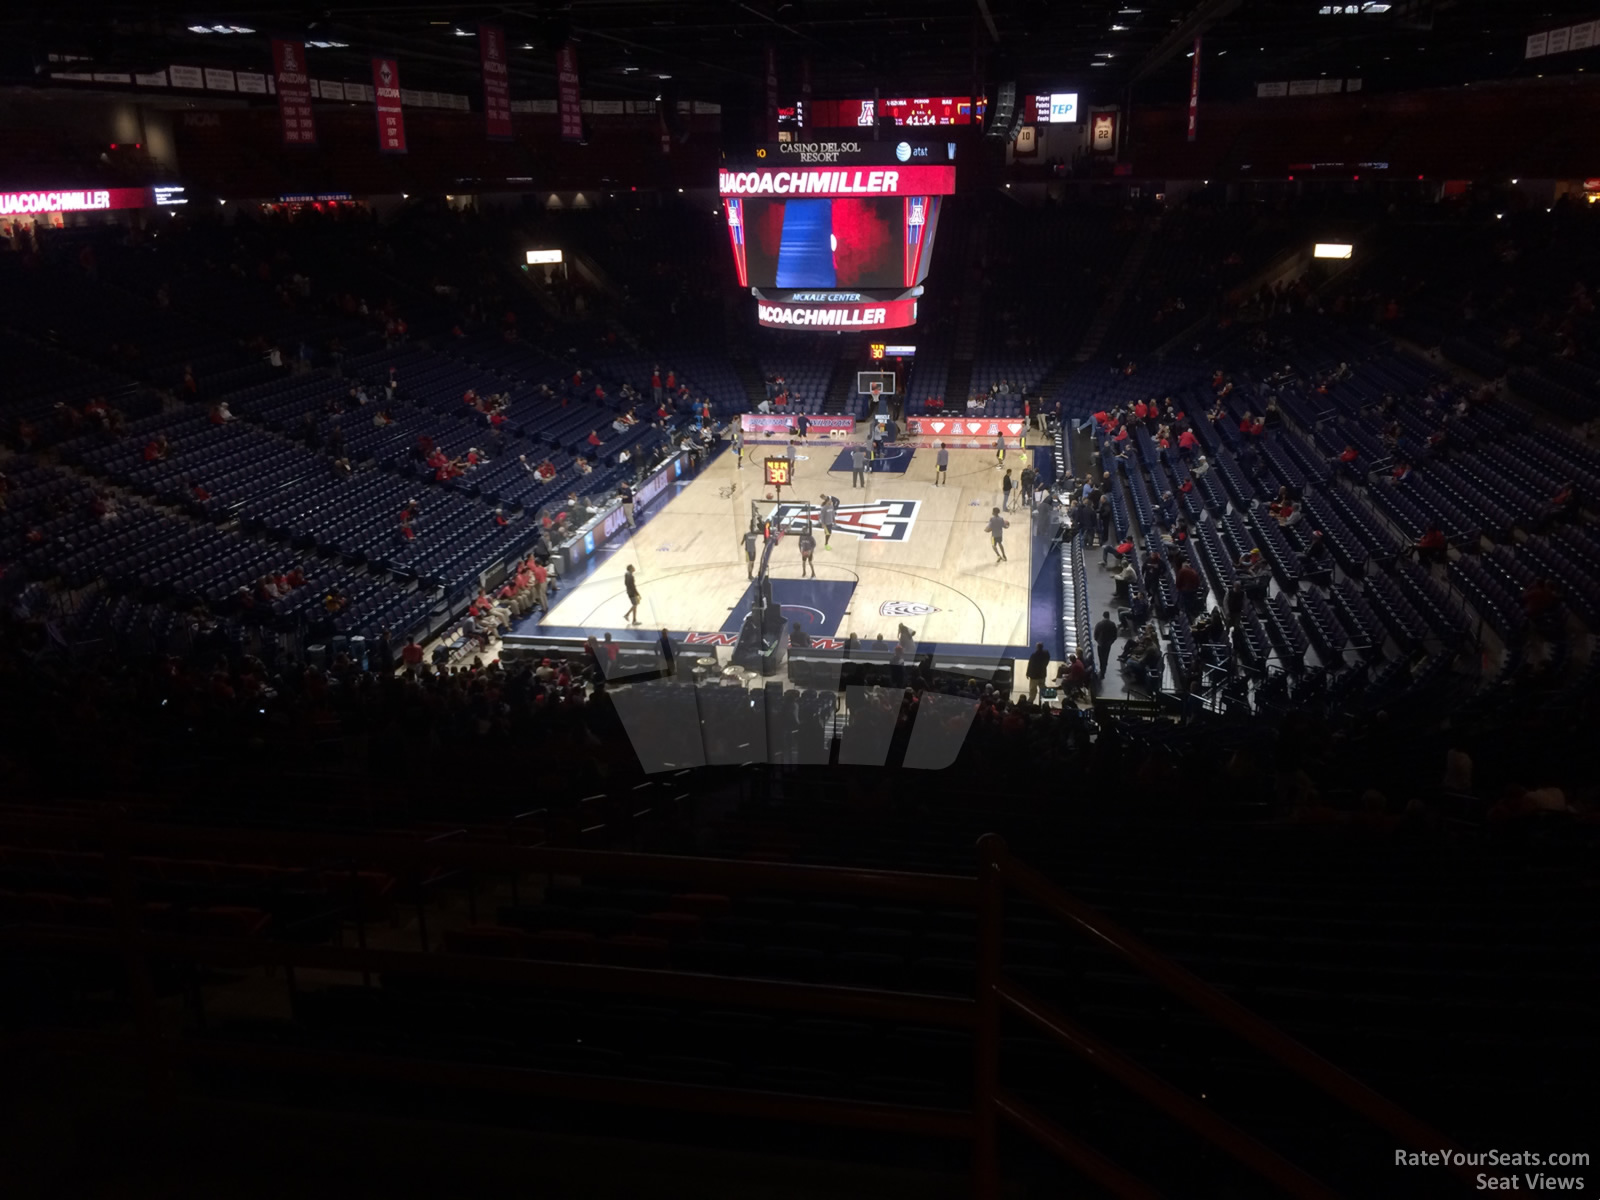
column 1121, row 550
column 199, row 493
column 672, row 379
column 1430, row 547
column 594, row 437
column 1186, row 580
column 1539, row 598
column 411, row 654
column 1187, row 441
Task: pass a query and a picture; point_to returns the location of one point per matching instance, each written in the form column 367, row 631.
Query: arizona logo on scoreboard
column 881, row 521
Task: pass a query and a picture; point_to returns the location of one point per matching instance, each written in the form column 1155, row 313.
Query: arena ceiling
column 702, row 48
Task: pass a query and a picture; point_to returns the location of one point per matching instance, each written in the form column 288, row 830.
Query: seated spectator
column 1432, row 545
column 1145, row 671
column 1540, row 600
column 1316, row 559
column 1254, row 569
column 1122, row 550
column 1564, row 503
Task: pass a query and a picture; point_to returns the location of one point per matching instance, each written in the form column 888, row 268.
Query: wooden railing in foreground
column 418, row 859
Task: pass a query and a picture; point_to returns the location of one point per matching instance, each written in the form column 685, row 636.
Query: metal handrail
column 999, row 868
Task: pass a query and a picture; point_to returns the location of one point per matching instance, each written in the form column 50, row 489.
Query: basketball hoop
column 875, row 390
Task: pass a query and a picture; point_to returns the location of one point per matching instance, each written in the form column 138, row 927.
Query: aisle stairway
column 842, row 386
column 1114, row 298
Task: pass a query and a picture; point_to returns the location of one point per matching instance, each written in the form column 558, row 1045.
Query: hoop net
column 875, row 390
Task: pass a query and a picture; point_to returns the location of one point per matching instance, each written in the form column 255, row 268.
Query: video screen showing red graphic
column 826, row 243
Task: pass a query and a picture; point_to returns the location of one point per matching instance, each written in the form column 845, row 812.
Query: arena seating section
column 1433, row 946
column 102, row 315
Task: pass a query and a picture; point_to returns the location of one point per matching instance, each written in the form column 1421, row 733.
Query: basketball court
column 903, row 550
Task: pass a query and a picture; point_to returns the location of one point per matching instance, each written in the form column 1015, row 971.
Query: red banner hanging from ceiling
column 391, row 121
column 567, row 103
column 294, row 92
column 772, row 93
column 803, row 109
column 1194, row 91
column 496, row 82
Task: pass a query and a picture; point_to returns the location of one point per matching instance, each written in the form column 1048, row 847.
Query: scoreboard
column 909, row 112
column 932, row 110
column 836, row 234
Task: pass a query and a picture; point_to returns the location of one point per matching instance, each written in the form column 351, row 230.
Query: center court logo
column 883, row 521
column 905, row 608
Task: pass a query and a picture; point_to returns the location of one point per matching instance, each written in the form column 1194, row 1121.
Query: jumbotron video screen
column 836, row 234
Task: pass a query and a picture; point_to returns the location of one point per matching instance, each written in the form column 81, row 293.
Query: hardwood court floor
column 689, row 558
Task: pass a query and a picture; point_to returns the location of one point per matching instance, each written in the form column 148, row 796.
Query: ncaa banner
column 391, row 121
column 294, row 92
column 496, row 83
column 567, row 103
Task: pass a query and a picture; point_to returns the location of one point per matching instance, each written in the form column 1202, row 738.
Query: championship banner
column 881, row 314
column 772, row 93
column 496, row 83
column 764, row 423
column 964, row 426
column 294, row 92
column 1194, row 90
column 567, row 94
column 391, row 121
